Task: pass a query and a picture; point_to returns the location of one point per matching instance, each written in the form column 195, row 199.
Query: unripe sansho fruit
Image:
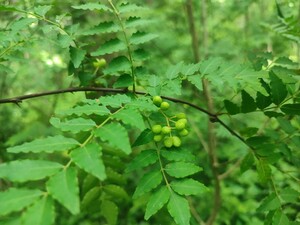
column 166, row 130
column 181, row 115
column 180, row 125
column 157, row 100
column 157, row 138
column 156, row 129
column 176, row 141
column 100, row 63
column 164, row 105
column 168, row 142
column 184, row 132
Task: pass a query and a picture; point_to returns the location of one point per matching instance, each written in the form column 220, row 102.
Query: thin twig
column 214, row 117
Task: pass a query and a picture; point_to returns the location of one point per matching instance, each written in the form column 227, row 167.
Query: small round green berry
column 166, row 130
column 157, row 138
column 184, row 132
column 99, row 63
column 180, row 125
column 157, row 100
column 176, row 141
column 168, row 142
column 181, row 115
column 164, row 106
column 156, row 129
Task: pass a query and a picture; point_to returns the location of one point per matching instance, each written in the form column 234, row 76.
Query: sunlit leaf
column 14, row 199
column 49, row 144
column 116, row 136
column 179, row 209
column 92, row 6
column 111, row 46
column 26, row 170
column 188, row 187
column 73, row 125
column 89, row 159
column 145, row 158
column 131, row 117
column 40, row 213
column 64, row 188
column 181, row 169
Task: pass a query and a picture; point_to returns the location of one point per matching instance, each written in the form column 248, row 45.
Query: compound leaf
column 26, row 170
column 49, row 144
column 64, row 188
column 89, row 159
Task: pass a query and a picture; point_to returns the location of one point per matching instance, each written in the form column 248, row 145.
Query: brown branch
column 213, row 117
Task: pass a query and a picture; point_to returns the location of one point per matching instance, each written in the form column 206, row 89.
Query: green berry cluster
column 175, row 127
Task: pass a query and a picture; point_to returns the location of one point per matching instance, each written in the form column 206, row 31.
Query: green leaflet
column 40, row 213
column 181, row 169
column 291, row 109
column 278, row 89
column 133, row 22
column 64, row 188
column 116, row 136
column 188, row 187
column 145, row 158
column 179, row 209
column 77, row 55
column 231, row 107
column 144, row 138
column 290, row 195
column 127, row 8
column 263, row 101
column 172, row 87
column 111, row 46
column 247, row 162
column 49, row 144
column 148, row 182
column 263, row 170
column 141, row 38
column 73, row 125
column 178, row 155
column 90, row 196
column 86, row 110
column 116, row 191
column 110, row 211
column 196, row 81
column 42, row 9
column 131, row 117
column 118, row 66
column 280, row 218
column 26, row 170
column 89, row 159
column 114, row 101
column 269, row 203
column 143, row 104
column 104, row 27
column 92, row 6
column 248, row 103
column 157, row 200
column 14, row 199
